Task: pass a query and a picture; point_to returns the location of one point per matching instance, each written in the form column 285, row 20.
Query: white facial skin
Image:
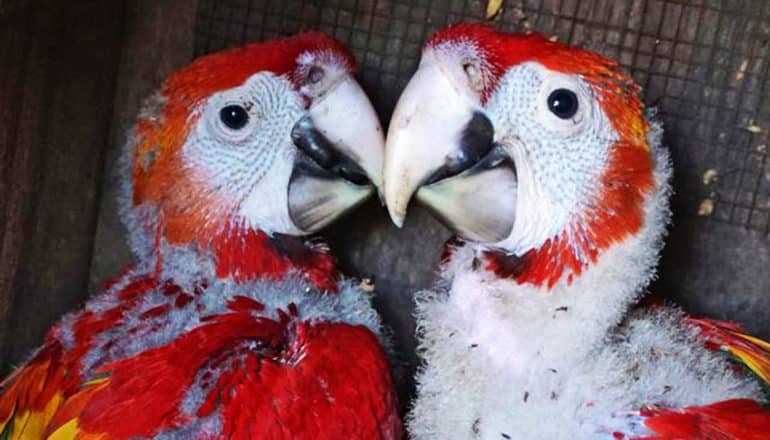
column 559, row 162
column 250, row 166
column 559, row 159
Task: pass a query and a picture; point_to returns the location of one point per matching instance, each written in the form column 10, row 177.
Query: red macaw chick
column 541, row 157
column 230, row 326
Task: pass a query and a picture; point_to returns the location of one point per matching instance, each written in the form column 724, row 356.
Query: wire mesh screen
column 704, row 64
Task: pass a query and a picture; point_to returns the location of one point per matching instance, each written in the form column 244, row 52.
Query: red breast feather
column 260, row 377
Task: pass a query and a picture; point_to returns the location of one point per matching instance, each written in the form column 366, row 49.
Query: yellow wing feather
column 31, row 397
column 729, row 337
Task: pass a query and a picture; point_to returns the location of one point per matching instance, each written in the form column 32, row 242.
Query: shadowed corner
column 5, row 369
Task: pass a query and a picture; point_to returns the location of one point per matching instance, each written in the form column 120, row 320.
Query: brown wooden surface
column 59, row 61
column 158, row 40
column 64, row 68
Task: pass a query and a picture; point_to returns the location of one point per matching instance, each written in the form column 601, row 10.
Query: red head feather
column 501, row 51
column 156, row 162
column 160, row 180
column 618, row 210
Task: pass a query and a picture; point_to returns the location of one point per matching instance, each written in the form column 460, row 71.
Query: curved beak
column 345, row 116
column 441, row 146
column 340, row 143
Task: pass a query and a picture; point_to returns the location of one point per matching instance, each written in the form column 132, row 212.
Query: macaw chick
column 541, row 157
column 231, row 325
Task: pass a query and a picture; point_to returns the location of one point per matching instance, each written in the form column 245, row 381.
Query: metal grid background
column 704, row 64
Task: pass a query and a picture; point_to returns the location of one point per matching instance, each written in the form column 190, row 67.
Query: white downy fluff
column 514, row 361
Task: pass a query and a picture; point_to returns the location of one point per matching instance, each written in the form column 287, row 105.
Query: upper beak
column 441, row 146
column 340, row 145
column 345, row 116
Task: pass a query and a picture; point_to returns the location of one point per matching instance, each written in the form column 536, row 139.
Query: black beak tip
column 356, row 176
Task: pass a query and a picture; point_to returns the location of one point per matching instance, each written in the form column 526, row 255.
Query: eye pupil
column 563, row 103
column 234, row 117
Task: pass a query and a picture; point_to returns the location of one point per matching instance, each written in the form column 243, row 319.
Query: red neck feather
column 617, row 208
column 246, row 254
column 617, row 213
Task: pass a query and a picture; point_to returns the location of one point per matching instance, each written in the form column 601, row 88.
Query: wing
column 738, row 419
column 304, row 379
column 34, row 395
column 142, row 395
column 327, row 381
column 729, row 337
column 232, row 368
column 30, row 397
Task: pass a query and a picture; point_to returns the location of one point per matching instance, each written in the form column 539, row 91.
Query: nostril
column 315, row 75
column 471, row 70
column 473, row 74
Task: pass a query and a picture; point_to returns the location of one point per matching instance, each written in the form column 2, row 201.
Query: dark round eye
column 234, row 116
column 563, row 103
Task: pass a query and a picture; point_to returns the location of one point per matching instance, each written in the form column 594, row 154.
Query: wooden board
column 64, row 68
